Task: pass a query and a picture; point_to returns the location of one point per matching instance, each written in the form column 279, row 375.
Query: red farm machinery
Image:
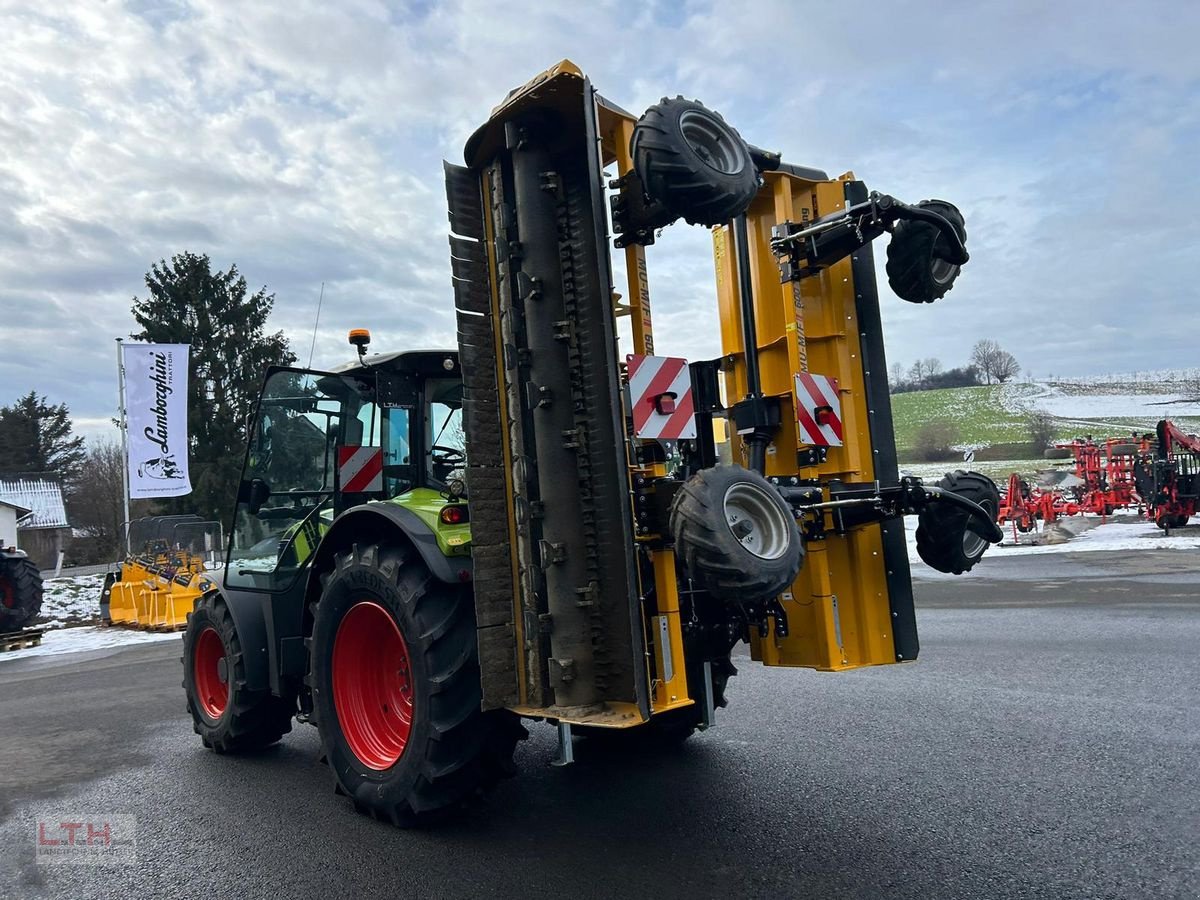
column 1160, row 477
column 1169, row 478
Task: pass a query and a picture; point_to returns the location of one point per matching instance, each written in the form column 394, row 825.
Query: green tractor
column 354, row 494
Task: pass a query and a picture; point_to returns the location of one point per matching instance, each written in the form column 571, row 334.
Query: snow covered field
column 1119, row 401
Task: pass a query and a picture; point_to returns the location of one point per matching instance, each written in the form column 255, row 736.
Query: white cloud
column 303, row 142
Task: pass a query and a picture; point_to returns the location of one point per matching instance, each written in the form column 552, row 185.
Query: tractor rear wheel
column 394, row 673
column 944, row 541
column 20, row 592
column 735, row 534
column 228, row 716
column 916, row 268
column 690, row 160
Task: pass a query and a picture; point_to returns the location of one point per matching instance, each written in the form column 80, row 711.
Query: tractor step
column 21, row 640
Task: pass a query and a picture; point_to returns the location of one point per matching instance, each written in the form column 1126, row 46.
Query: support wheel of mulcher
column 944, row 540
column 916, row 266
column 228, row 716
column 735, row 534
column 690, row 160
column 20, row 592
column 396, row 691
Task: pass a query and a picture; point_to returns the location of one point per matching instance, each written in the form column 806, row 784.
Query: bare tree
column 1005, row 367
column 983, row 357
column 1041, row 431
column 933, row 366
column 918, row 372
column 96, row 505
column 897, row 378
column 933, row 439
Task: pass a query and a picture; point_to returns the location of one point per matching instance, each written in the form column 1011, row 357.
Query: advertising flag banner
column 156, row 389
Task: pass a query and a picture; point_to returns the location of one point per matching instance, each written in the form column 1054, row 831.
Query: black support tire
column 736, row 536
column 20, row 592
column 394, row 674
column 1057, row 453
column 229, row 717
column 690, row 160
column 943, row 540
column 1124, row 450
column 915, row 268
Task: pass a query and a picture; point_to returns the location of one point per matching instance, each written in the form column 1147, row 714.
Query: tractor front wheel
column 228, row 716
column 394, row 674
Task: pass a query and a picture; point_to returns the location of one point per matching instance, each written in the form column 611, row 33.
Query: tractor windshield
column 298, row 448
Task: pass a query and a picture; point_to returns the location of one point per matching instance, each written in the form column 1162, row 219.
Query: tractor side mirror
column 254, row 493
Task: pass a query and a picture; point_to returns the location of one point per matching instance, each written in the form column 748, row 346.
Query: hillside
column 998, row 414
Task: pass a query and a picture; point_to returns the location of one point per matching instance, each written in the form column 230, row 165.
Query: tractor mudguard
column 370, row 520
column 249, row 618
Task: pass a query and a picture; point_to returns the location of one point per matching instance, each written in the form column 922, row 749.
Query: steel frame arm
column 817, row 245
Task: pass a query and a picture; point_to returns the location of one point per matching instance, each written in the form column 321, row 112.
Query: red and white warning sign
column 360, row 469
column 819, row 410
column 660, row 395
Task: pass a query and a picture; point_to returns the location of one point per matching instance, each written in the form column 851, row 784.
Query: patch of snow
column 77, row 640
column 1108, row 537
column 72, row 599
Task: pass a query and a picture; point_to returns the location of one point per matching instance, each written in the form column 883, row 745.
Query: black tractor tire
column 761, row 562
column 943, row 541
column 20, row 592
column 451, row 751
column 239, row 719
column 1057, row 453
column 692, row 162
column 915, row 268
column 1124, row 450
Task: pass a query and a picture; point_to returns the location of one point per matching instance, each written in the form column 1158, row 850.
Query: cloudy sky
column 303, row 142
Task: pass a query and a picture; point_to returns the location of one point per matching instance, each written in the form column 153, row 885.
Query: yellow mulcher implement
column 156, row 588
column 537, row 525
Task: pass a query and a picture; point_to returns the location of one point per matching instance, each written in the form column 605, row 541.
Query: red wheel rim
column 212, row 691
column 372, row 685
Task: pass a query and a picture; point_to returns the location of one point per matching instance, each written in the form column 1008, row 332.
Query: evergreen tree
column 188, row 303
column 35, row 436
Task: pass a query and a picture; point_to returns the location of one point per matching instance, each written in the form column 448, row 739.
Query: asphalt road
column 1045, row 745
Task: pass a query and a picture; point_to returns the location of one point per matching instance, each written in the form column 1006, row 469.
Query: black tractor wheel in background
column 1057, row 453
column 736, row 536
column 944, row 541
column 229, row 717
column 916, row 269
column 692, row 162
column 20, row 592
column 394, row 673
column 1123, row 450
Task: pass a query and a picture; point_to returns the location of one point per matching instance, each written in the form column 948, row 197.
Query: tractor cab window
column 446, row 437
column 286, row 496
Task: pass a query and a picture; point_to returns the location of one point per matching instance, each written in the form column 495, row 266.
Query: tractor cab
column 386, row 428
